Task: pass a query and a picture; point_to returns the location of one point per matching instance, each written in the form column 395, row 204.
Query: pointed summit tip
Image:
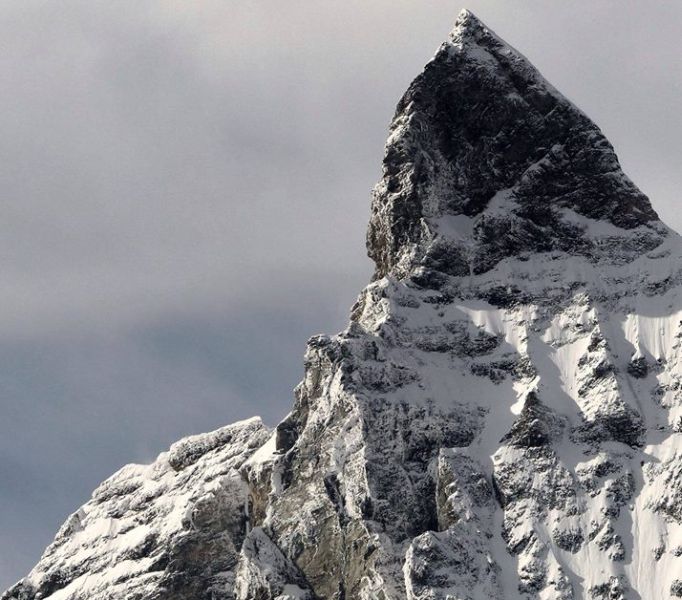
column 469, row 28
column 465, row 13
column 467, row 21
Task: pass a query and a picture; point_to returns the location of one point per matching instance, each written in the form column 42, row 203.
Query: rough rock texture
column 172, row 529
column 480, row 135
column 501, row 419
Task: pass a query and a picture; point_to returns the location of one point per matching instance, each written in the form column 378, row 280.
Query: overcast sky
column 185, row 193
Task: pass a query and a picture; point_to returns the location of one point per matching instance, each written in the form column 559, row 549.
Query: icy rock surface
column 501, row 419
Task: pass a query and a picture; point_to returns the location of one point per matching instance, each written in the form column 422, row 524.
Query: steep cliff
column 502, row 418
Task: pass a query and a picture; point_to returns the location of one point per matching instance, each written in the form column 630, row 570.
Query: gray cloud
column 185, row 192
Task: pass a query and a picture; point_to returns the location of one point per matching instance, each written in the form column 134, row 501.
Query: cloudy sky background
column 185, row 188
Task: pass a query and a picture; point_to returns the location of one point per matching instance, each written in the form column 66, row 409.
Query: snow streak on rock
column 501, row 419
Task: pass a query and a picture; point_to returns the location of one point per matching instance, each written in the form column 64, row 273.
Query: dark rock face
column 480, row 119
column 483, row 429
column 535, row 427
column 638, row 367
column 265, row 573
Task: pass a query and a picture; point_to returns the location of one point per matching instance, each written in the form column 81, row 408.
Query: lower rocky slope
column 452, row 443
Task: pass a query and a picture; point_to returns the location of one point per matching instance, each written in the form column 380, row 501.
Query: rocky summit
column 502, row 418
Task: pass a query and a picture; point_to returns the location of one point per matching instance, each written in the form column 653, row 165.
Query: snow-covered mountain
column 502, row 418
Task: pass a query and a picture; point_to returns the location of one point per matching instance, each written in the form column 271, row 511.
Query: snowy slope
column 502, row 418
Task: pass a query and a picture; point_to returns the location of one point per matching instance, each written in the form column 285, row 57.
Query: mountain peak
column 501, row 420
column 469, row 33
column 466, row 18
column 480, row 123
column 467, row 23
